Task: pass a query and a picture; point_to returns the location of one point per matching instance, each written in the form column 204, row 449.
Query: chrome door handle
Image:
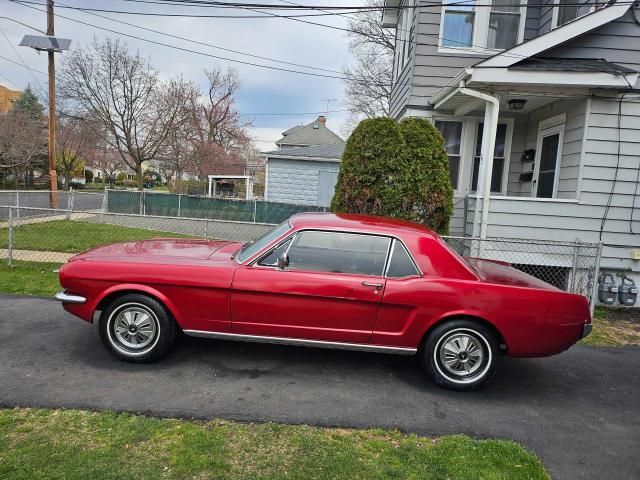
column 378, row 286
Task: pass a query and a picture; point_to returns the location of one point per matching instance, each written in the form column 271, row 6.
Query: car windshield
column 251, row 248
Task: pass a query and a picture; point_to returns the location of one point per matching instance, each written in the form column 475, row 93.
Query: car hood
column 162, row 249
column 494, row 271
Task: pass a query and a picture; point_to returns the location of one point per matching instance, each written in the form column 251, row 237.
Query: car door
column 330, row 291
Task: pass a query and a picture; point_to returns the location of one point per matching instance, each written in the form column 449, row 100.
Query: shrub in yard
column 428, row 194
column 397, row 170
column 372, row 170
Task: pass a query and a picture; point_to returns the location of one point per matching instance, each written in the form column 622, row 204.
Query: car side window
column 271, row 259
column 339, row 252
column 401, row 265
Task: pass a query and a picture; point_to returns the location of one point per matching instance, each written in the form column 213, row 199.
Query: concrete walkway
column 36, row 256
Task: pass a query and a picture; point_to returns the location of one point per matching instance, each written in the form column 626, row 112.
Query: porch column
column 485, row 169
column 210, row 185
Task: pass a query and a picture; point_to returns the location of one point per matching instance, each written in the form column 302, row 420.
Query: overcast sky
column 263, row 90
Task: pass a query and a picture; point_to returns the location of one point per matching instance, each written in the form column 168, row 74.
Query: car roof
column 369, row 223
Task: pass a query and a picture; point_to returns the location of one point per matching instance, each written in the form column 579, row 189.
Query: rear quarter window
column 401, row 265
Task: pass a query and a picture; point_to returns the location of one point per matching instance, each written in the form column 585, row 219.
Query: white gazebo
column 247, row 178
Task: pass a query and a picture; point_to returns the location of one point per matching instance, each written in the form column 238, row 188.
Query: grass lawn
column 72, row 444
column 615, row 327
column 29, row 278
column 72, row 237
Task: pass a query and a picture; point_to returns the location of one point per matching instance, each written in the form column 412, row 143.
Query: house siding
column 616, row 42
column 427, row 70
column 295, row 181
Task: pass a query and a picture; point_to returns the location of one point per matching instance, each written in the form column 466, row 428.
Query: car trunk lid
column 494, row 271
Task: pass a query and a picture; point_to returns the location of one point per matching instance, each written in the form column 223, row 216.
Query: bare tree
column 22, row 144
column 177, row 155
column 124, row 92
column 74, row 138
column 216, row 124
column 368, row 84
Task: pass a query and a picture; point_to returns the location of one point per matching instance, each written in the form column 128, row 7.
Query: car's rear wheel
column 137, row 328
column 461, row 355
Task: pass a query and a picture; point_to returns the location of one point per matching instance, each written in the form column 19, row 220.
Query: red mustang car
column 324, row 280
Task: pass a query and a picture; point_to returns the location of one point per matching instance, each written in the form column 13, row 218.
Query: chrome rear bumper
column 64, row 297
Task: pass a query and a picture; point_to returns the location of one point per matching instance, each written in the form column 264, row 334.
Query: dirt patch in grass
column 615, row 327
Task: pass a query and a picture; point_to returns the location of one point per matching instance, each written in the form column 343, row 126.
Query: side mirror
column 283, row 261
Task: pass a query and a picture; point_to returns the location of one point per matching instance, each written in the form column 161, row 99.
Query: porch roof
column 539, row 80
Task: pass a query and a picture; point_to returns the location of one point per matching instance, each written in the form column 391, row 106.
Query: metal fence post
column 206, row 228
column 179, row 202
column 69, row 203
column 140, row 201
column 10, row 246
column 105, row 198
column 255, row 208
column 594, row 287
column 18, row 206
column 574, row 266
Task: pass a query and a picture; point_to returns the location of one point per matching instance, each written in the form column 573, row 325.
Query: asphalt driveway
column 579, row 411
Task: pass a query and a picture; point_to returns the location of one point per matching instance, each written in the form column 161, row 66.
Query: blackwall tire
column 461, row 355
column 136, row 328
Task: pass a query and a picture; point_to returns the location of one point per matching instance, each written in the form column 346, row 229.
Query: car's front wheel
column 136, row 328
column 461, row 355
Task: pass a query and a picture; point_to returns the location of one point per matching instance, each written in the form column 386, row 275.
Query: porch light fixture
column 516, row 104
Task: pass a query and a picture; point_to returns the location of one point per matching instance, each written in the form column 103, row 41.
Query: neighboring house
column 550, row 89
column 304, row 169
column 7, row 98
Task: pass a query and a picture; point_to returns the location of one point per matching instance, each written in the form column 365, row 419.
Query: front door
column 330, row 291
column 548, row 156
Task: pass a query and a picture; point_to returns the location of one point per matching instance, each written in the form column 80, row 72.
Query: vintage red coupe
column 324, row 280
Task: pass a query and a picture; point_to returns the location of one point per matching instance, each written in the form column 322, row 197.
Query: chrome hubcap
column 134, row 328
column 461, row 354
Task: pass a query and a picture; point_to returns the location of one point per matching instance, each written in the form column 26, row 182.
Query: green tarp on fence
column 172, row 205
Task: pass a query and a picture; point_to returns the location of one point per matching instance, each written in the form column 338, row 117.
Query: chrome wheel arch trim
column 302, row 342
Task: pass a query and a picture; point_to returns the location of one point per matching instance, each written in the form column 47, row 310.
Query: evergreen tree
column 28, row 104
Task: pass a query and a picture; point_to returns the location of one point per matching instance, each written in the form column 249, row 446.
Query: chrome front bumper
column 64, row 297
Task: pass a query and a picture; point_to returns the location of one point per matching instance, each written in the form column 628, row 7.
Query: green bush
column 428, row 194
column 396, row 170
column 372, row 170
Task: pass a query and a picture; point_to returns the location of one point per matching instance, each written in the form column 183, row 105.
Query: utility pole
column 53, row 181
column 51, row 45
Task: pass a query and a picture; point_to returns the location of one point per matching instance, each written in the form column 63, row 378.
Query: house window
column 567, row 11
column 504, row 24
column 459, row 19
column 498, row 159
column 452, row 133
column 404, row 32
column 496, row 26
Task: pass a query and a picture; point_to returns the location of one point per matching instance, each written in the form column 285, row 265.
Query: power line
column 269, row 67
column 182, row 15
column 38, row 84
column 209, row 44
column 295, row 114
column 23, row 66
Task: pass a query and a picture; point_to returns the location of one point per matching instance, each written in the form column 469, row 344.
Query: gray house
column 540, row 111
column 305, row 167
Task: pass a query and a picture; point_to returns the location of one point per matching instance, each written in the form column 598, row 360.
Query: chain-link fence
column 570, row 266
column 40, row 234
